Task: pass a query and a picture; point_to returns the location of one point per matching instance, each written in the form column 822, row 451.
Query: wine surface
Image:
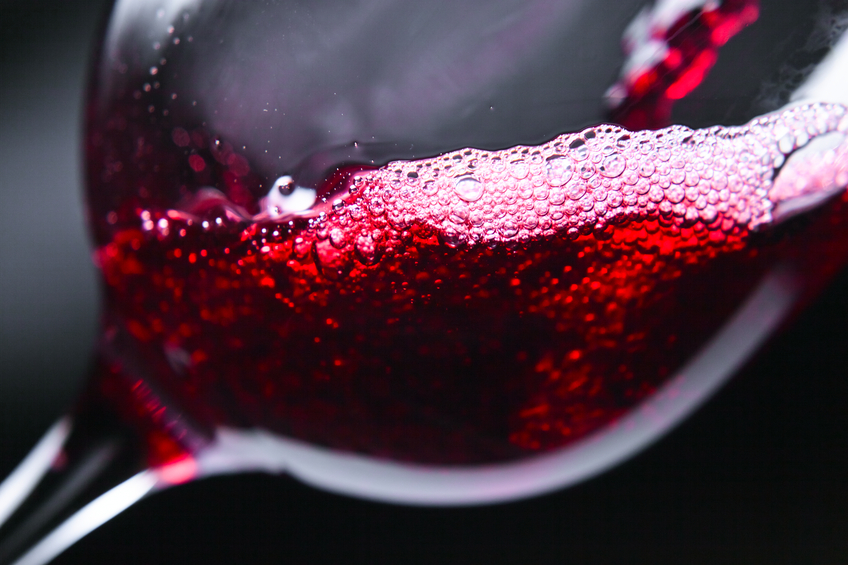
column 471, row 308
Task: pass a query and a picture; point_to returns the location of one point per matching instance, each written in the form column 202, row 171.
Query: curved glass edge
column 90, row 517
column 25, row 477
column 236, row 451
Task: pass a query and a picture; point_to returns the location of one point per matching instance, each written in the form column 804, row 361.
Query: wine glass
column 178, row 446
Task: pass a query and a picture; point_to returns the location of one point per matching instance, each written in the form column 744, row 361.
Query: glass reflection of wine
column 188, row 349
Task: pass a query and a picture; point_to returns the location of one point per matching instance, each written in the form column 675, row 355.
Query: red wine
column 475, row 307
column 277, row 255
column 290, row 286
column 670, row 49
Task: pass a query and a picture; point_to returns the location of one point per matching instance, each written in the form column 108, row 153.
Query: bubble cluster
column 587, row 182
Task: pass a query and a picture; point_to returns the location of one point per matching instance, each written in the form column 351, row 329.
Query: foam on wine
column 582, row 183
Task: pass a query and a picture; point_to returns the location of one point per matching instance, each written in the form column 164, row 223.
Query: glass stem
column 83, row 472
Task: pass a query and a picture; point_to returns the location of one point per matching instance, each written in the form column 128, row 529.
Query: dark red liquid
column 421, row 351
column 692, row 42
column 459, row 325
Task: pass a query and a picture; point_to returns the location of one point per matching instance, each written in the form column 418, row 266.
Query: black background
column 758, row 475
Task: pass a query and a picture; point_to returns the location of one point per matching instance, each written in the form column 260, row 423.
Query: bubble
column 656, row 194
column 453, row 238
column 436, row 213
column 286, row 197
column 576, row 190
column 356, row 212
column 691, row 215
column 180, row 137
column 719, row 182
column 525, row 190
column 430, row 188
column 709, row 214
column 692, row 194
column 613, row 165
column 338, row 238
column 579, row 150
column 586, row 170
column 786, row 143
column 675, row 193
column 530, row 221
column 541, row 208
column 366, row 248
column 508, row 230
column 691, row 178
column 556, row 197
column 469, row 189
column 615, row 199
column 376, row 207
column 519, row 169
column 600, row 209
column 458, row 214
column 559, row 170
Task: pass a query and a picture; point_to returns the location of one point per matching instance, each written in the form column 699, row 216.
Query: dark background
column 758, row 475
